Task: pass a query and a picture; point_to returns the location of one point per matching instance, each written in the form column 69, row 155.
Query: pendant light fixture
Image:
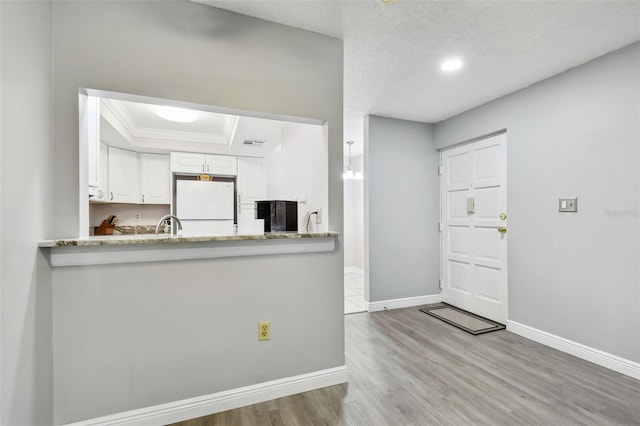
column 352, row 172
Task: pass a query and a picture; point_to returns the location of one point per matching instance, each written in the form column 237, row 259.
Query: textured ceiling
column 392, row 53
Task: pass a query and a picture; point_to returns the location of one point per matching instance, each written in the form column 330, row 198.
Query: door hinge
column 440, row 284
column 439, row 226
column 439, row 170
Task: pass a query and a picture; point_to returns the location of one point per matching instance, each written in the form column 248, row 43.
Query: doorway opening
column 354, row 297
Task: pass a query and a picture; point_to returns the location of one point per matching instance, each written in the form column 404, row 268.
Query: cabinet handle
column 111, row 199
column 143, row 198
column 207, row 168
column 239, row 205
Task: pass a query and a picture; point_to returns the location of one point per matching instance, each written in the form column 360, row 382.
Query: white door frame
column 440, row 224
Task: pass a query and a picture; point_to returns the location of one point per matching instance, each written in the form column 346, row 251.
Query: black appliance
column 278, row 215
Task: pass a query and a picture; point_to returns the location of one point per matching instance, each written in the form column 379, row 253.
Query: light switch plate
column 568, row 205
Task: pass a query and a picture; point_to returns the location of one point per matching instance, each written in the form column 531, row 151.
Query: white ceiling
column 141, row 122
column 392, row 53
column 136, row 126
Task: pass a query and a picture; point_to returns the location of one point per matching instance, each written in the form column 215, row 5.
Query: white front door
column 474, row 240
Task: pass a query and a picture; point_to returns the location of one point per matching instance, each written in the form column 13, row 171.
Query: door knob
column 503, row 216
column 502, row 230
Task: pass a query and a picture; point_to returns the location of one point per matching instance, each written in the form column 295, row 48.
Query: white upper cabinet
column 103, row 176
column 135, row 178
column 221, row 165
column 155, row 179
column 186, row 162
column 101, row 191
column 252, row 182
column 123, row 176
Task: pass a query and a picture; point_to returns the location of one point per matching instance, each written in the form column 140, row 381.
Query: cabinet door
column 103, row 176
column 252, row 183
column 123, row 176
column 155, row 179
column 221, row 165
column 186, row 162
column 252, row 186
column 102, row 193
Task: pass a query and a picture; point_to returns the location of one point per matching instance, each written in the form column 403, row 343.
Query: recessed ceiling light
column 387, row 2
column 451, row 65
column 179, row 115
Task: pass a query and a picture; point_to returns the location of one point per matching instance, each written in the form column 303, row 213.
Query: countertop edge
column 152, row 239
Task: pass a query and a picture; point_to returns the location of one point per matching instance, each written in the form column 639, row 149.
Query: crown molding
column 124, row 123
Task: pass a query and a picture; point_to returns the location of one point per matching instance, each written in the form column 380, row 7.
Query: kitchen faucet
column 169, row 216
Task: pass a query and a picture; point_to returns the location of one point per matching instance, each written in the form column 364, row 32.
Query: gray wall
column 25, row 206
column 132, row 335
column 576, row 134
column 135, row 335
column 401, row 209
column 189, row 52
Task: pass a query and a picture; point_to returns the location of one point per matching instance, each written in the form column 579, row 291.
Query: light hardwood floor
column 407, row 368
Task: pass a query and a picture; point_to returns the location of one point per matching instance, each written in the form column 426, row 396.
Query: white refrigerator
column 205, row 207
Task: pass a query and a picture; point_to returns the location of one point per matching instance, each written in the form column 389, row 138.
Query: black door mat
column 471, row 323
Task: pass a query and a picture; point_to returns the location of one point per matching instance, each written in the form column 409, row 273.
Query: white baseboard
column 353, row 270
column 604, row 359
column 222, row 401
column 404, row 303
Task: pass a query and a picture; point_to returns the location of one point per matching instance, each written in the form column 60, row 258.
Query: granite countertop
column 164, row 239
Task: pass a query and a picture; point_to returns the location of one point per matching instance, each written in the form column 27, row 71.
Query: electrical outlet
column 264, row 330
column 138, row 216
column 319, row 216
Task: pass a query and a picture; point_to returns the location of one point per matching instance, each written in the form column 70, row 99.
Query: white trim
column 472, row 140
column 353, row 270
column 2, row 235
column 604, row 359
column 120, row 118
column 132, row 253
column 222, row 401
column 202, row 107
column 406, row 302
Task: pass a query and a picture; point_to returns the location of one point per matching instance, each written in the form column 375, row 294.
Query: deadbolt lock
column 502, row 230
column 503, row 216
